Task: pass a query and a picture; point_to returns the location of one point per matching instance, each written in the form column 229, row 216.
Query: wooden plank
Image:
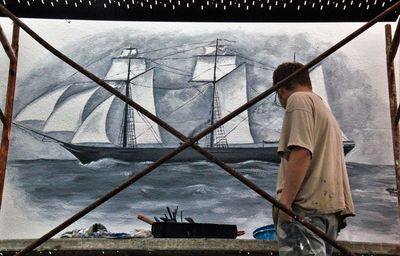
column 6, row 134
column 174, row 247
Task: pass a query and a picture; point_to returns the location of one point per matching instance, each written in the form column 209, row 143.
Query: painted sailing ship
column 103, row 126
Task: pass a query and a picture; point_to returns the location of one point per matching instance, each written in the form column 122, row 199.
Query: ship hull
column 86, row 154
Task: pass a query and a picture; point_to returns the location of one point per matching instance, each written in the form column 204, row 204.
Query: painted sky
column 355, row 75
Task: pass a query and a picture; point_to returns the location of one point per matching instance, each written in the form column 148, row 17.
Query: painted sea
column 41, row 194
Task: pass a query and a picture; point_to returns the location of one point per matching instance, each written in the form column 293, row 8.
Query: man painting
column 312, row 179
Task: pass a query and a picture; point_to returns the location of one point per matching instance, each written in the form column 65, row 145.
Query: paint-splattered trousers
column 295, row 239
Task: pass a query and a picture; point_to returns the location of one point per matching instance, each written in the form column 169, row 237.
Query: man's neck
column 301, row 88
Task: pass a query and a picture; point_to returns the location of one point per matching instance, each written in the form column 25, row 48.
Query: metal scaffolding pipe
column 395, row 43
column 307, row 66
column 187, row 142
column 393, row 107
column 6, row 45
column 6, row 134
column 272, row 200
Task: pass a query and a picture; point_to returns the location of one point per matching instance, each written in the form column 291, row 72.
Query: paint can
column 265, row 233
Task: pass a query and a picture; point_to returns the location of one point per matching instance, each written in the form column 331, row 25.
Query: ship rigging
column 102, row 126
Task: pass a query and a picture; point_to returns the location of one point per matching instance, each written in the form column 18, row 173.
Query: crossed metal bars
column 189, row 142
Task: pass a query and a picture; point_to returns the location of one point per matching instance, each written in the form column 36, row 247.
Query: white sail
column 99, row 96
column 68, row 115
column 210, row 50
column 93, row 129
column 41, row 108
column 204, row 69
column 319, row 87
column 128, row 51
column 318, row 84
column 120, row 66
column 104, row 123
column 146, row 131
column 232, row 93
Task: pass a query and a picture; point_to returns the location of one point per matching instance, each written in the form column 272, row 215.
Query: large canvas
column 45, row 183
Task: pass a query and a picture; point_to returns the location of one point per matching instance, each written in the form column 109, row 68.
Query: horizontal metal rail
column 187, row 142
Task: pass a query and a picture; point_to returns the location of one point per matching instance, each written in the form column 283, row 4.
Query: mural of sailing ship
column 103, row 126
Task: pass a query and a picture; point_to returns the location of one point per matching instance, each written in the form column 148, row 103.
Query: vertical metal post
column 6, row 134
column 393, row 107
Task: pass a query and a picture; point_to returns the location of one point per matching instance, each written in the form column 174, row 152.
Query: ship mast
column 126, row 113
column 213, row 93
column 216, row 109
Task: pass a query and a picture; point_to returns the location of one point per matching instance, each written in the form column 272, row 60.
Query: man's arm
column 298, row 162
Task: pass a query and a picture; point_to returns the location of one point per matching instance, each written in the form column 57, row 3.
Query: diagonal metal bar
column 272, row 200
column 307, row 66
column 90, row 75
column 188, row 143
column 103, row 199
column 6, row 45
column 395, row 43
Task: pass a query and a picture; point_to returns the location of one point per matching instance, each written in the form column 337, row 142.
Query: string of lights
column 203, row 4
column 202, row 10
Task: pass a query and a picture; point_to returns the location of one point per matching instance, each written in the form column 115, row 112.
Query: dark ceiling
column 203, row 10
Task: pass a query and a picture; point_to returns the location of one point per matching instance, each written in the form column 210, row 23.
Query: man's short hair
column 286, row 69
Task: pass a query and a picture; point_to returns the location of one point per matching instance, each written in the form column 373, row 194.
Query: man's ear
column 281, row 90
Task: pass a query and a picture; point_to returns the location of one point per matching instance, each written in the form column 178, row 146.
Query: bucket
column 265, row 233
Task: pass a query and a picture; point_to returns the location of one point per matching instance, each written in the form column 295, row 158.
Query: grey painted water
column 41, row 194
